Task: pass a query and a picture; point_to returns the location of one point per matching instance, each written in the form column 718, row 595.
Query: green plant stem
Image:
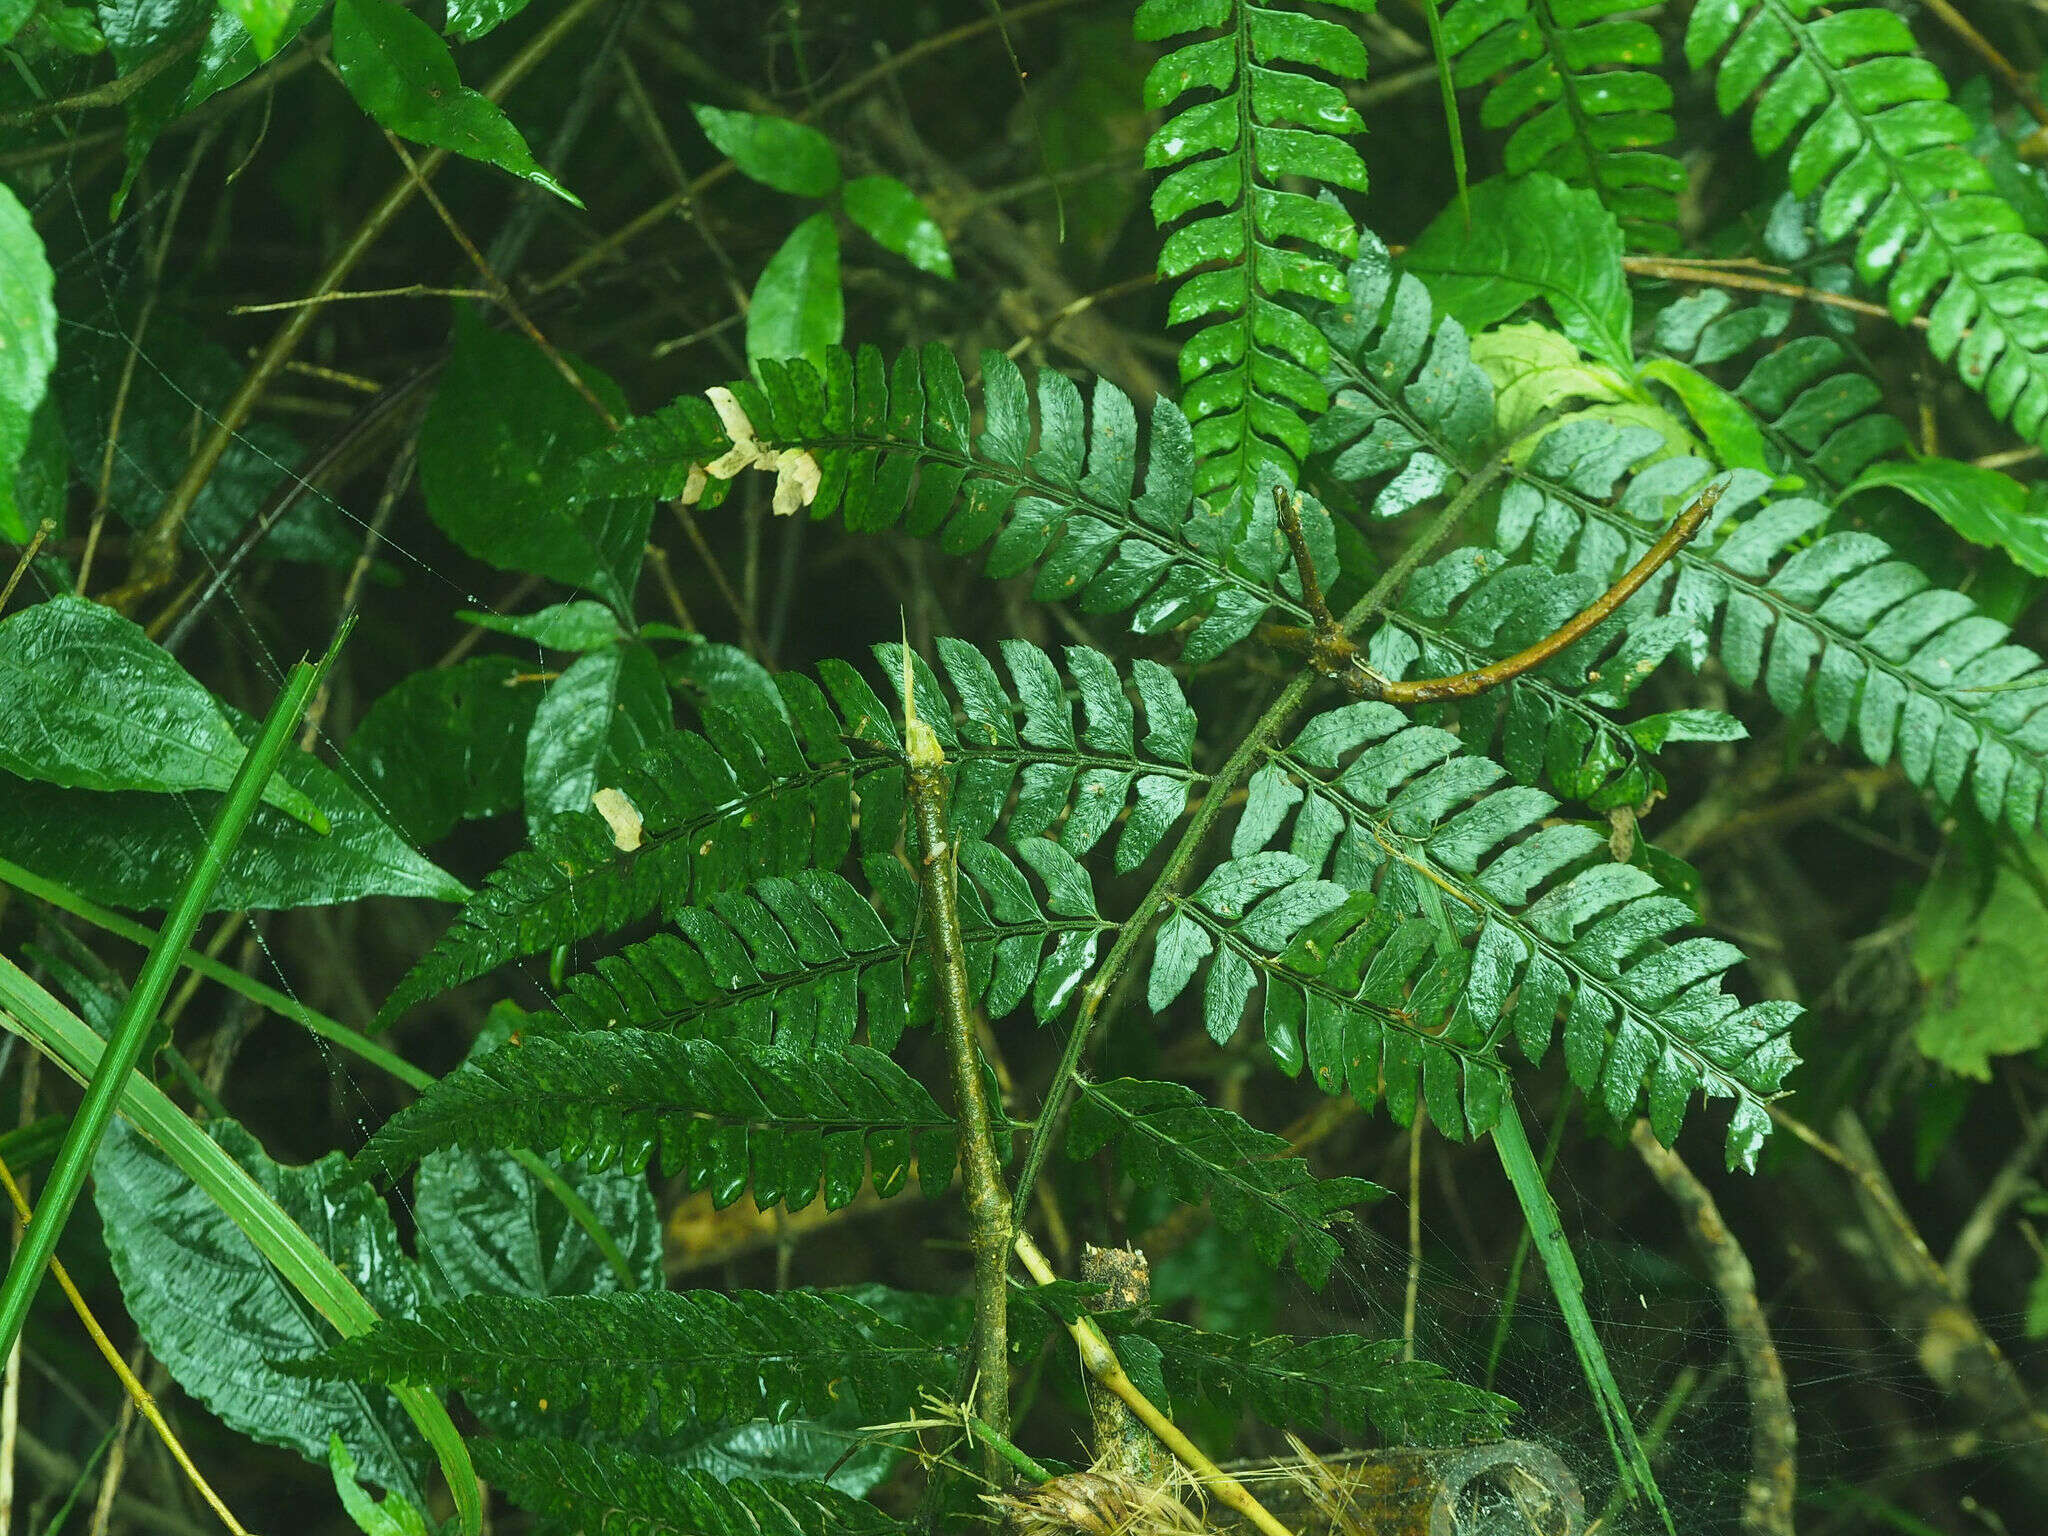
column 1066, row 1078
column 328, row 1029
column 1518, row 1161
column 131, row 1029
column 988, row 1203
column 1001, row 1444
column 69, row 1041
column 1511, row 1293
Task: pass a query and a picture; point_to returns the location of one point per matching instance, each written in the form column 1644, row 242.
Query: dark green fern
column 1843, row 626
column 1246, row 121
column 669, row 1358
column 1872, row 133
column 767, row 792
column 606, row 1492
column 1577, row 81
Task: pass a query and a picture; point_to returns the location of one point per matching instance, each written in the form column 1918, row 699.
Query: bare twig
column 1773, row 1433
column 2006, row 1186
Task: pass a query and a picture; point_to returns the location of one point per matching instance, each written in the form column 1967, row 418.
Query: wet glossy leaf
column 774, row 151
column 797, row 309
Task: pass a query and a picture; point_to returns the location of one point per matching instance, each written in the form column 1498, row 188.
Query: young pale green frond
column 1248, row 129
column 1872, row 132
column 1844, row 625
column 1417, row 913
column 607, row 1492
column 1341, row 1379
column 1824, row 416
column 779, row 792
column 1169, row 1135
column 734, row 1118
column 1577, row 81
column 803, row 961
column 673, row 1358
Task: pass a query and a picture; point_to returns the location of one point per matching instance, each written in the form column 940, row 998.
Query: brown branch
column 1465, row 685
column 1715, row 276
column 2021, row 88
column 1773, row 1433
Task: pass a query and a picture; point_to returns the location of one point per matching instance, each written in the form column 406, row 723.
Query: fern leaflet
column 731, row 1117
column 1343, row 1379
column 1252, row 372
column 673, row 1358
column 767, row 792
column 1843, row 625
column 802, row 961
column 607, row 1492
column 1583, row 88
column 1879, row 142
column 1169, row 1135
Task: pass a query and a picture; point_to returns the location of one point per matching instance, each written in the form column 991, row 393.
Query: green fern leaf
column 673, row 1358
column 607, row 1492
column 1169, row 1135
column 1824, row 416
column 1873, row 134
column 778, row 792
column 1844, row 626
column 1343, row 1379
column 1243, row 126
column 803, row 961
column 732, row 1118
column 1576, row 79
column 1451, row 918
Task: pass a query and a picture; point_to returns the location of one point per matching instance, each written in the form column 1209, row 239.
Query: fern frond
column 1410, row 404
column 607, row 1492
column 1421, row 913
column 673, row 1358
column 1579, row 88
column 892, row 444
column 1824, row 416
column 1343, row 1379
column 762, row 792
column 803, row 961
column 1873, row 134
column 731, row 1118
column 1246, row 119
column 1169, row 1135
column 1843, row 626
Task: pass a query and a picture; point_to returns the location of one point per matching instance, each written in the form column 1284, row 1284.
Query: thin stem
column 43, row 531
column 1465, row 685
column 1100, row 1361
column 988, row 1202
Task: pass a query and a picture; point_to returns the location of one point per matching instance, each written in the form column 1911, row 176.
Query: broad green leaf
column 446, row 745
column 577, row 626
column 41, row 480
column 600, row 714
column 216, row 1313
column 230, row 53
column 88, row 701
column 891, row 212
column 1981, row 504
column 772, row 150
column 1534, row 369
column 798, row 310
column 268, row 22
column 12, row 14
column 1532, row 237
column 132, row 850
column 401, row 73
column 1981, row 935
column 28, row 348
column 502, row 425
column 137, row 32
column 469, row 20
